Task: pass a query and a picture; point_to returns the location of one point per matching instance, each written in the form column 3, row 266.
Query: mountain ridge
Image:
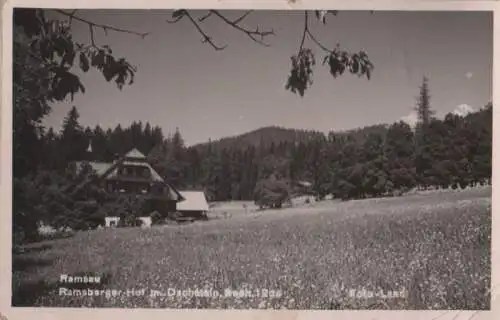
column 277, row 134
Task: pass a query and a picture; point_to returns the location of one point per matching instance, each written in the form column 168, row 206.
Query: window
column 158, row 189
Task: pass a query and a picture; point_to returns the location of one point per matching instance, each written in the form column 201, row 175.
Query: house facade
column 132, row 175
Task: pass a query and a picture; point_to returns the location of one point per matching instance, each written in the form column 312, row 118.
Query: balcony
column 134, row 173
column 140, row 188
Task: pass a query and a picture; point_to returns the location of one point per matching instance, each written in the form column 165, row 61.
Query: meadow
column 432, row 251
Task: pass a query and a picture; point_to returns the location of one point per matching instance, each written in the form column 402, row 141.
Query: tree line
column 73, row 141
column 454, row 152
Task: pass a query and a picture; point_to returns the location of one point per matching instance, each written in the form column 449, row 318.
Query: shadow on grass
column 26, row 263
column 27, row 294
column 32, row 249
column 33, row 240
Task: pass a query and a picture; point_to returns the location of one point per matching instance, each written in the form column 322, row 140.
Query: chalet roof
column 154, row 175
column 135, row 154
column 193, row 201
column 99, row 167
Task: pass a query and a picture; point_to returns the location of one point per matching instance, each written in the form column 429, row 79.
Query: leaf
column 325, row 59
column 98, row 59
column 300, row 77
column 59, row 46
column 84, row 62
column 81, row 87
column 108, row 49
column 354, row 65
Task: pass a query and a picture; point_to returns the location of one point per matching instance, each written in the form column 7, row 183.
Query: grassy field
column 433, row 250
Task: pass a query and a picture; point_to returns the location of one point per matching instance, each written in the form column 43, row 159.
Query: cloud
column 463, row 110
column 411, row 118
column 469, row 75
column 460, row 110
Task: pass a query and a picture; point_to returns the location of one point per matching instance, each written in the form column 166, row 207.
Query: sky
column 186, row 84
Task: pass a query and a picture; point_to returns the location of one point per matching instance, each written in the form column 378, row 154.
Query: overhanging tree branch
column 256, row 35
column 179, row 14
column 73, row 16
column 243, row 16
column 339, row 61
column 92, row 40
column 252, row 34
column 306, row 22
column 302, row 63
column 306, row 33
column 206, row 37
column 203, row 18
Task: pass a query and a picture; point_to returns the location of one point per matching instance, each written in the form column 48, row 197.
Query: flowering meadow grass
column 427, row 251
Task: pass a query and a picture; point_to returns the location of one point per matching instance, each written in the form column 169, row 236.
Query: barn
column 193, row 204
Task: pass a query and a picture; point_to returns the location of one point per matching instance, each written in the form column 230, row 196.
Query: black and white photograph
column 252, row 159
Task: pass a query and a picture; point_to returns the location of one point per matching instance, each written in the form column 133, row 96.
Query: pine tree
column 136, row 136
column 148, row 143
column 73, row 140
column 423, row 108
column 117, row 141
column 101, row 148
column 50, row 150
column 70, row 123
column 177, row 144
column 423, row 158
column 157, row 136
column 175, row 160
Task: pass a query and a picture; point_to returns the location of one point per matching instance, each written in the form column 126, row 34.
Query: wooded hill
column 365, row 162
